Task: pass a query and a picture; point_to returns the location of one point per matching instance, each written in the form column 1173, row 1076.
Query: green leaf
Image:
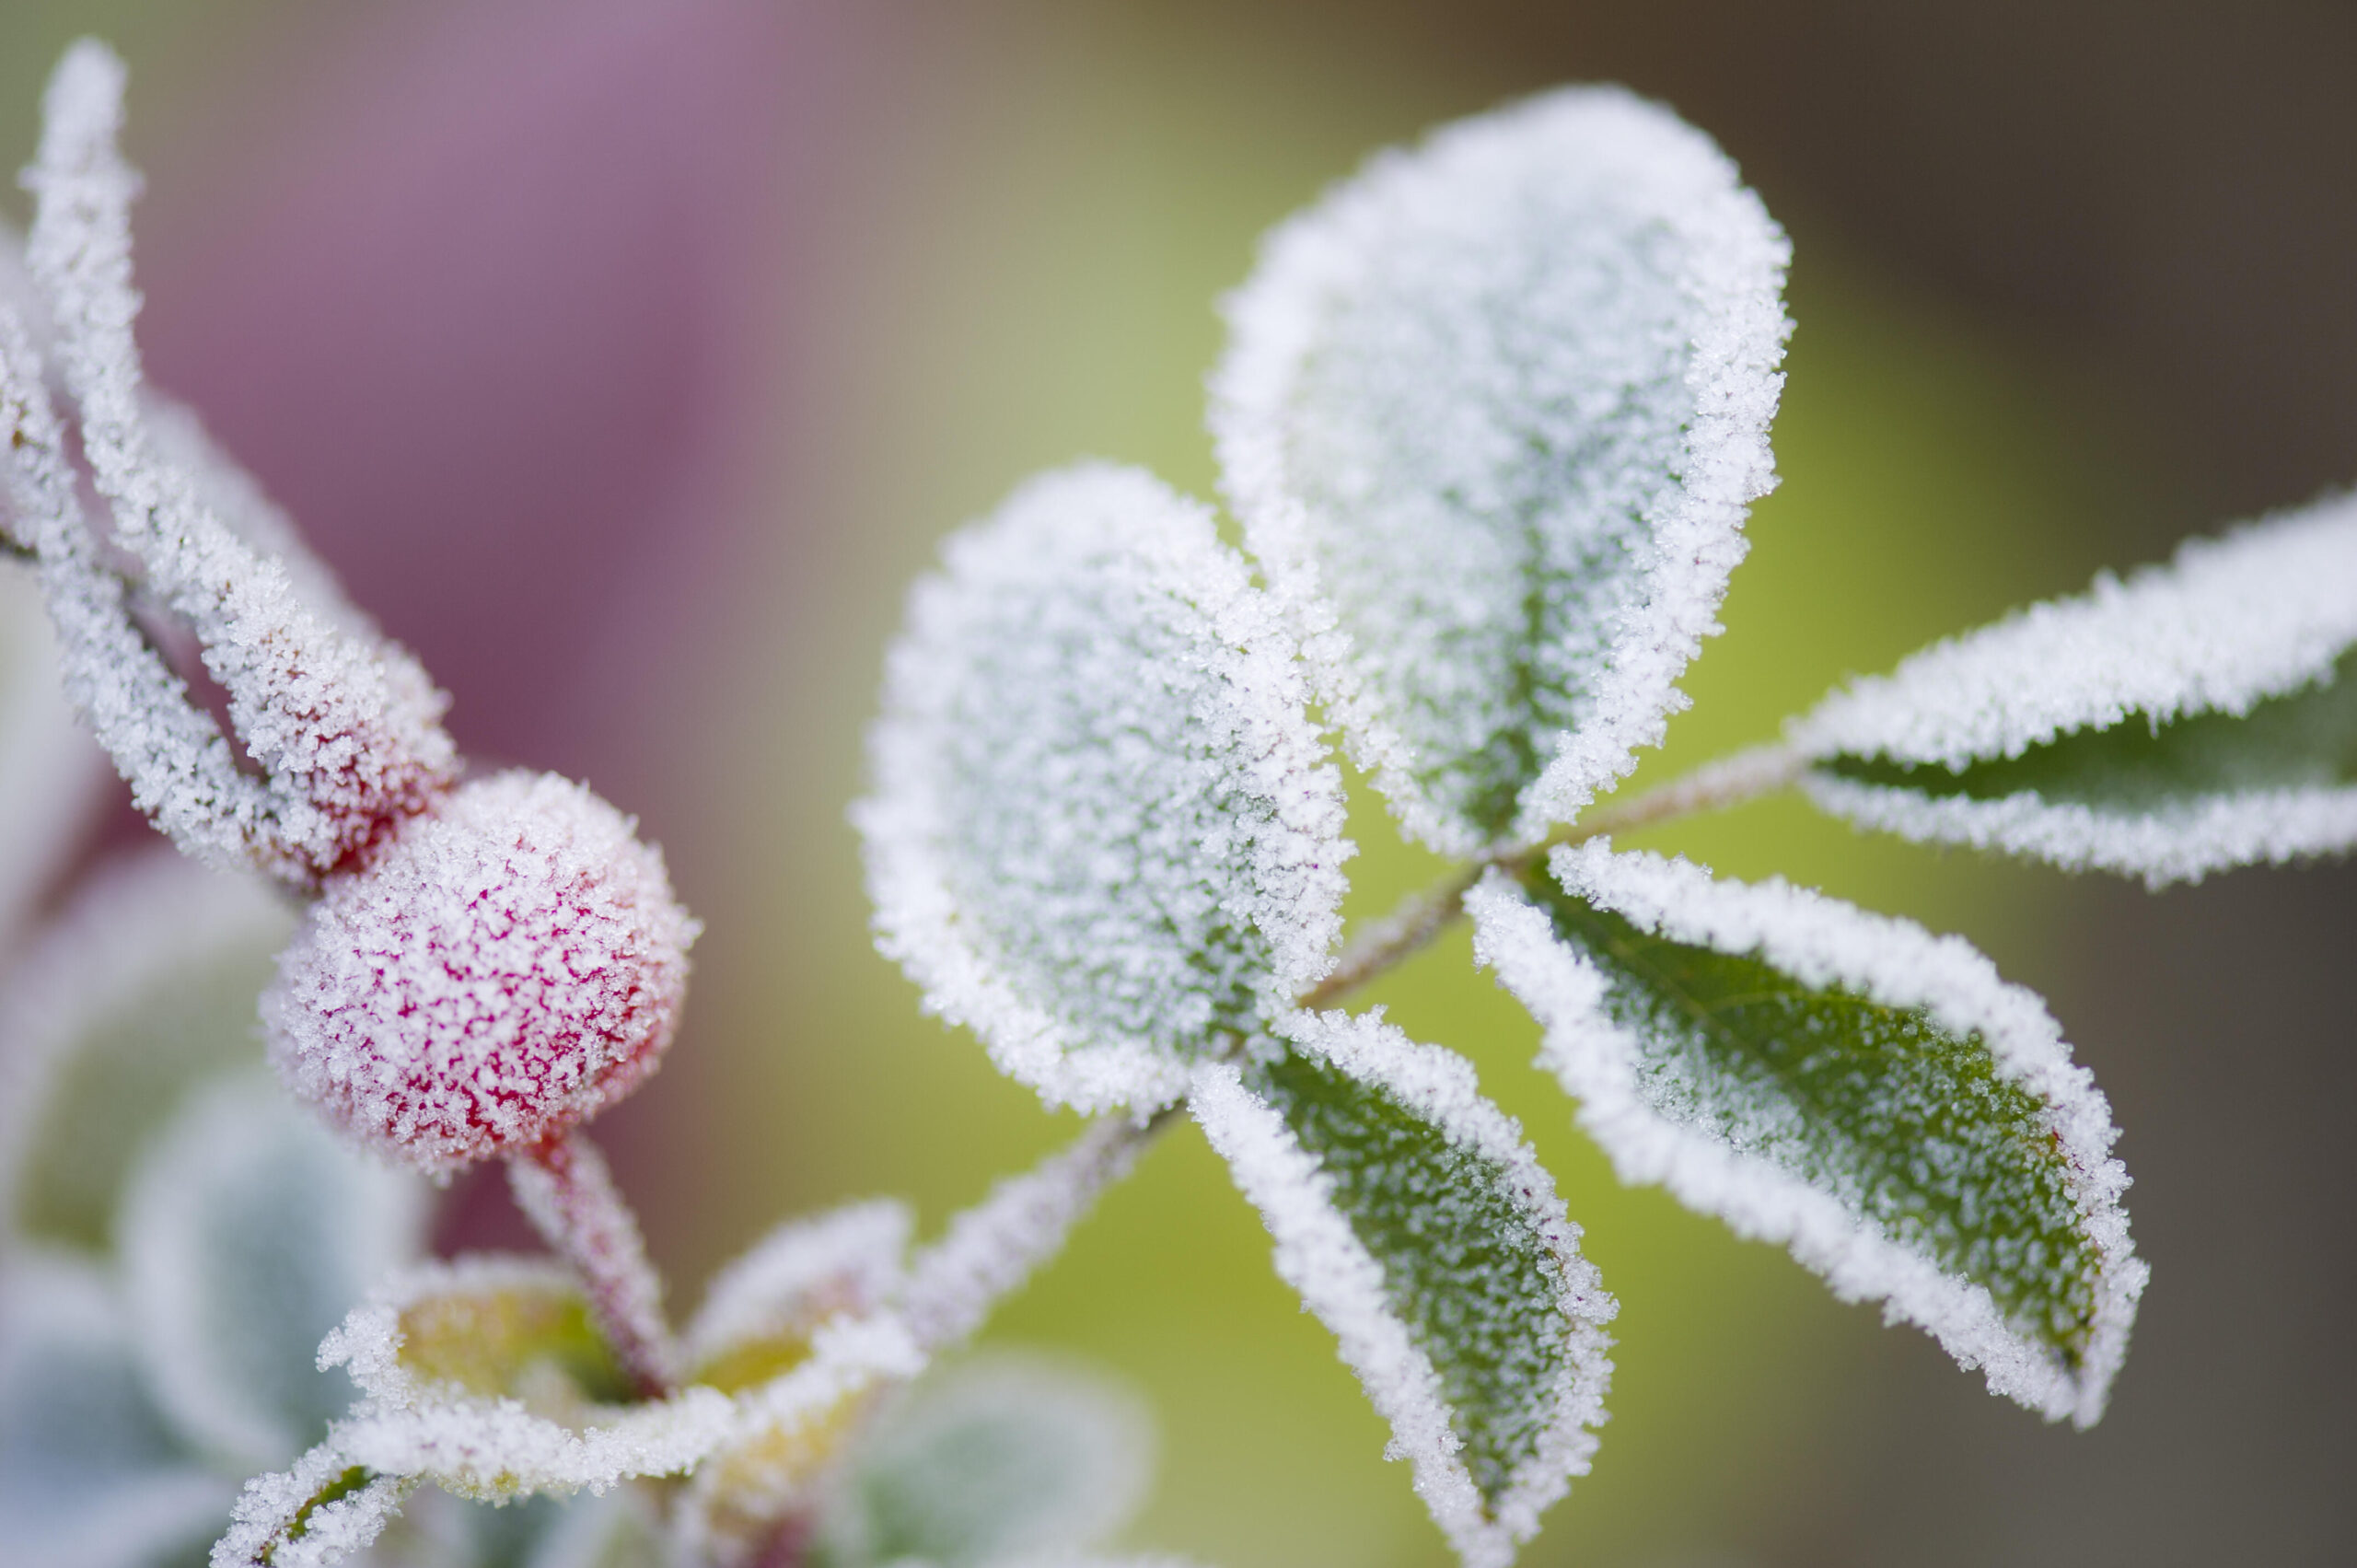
column 1494, row 409
column 508, row 1328
column 145, row 985
column 994, row 1460
column 1416, row 1224
column 1850, row 1084
column 2200, row 715
column 1104, row 832
column 92, row 1474
column 247, row 1234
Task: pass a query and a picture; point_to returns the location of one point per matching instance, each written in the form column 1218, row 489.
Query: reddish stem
column 565, row 1189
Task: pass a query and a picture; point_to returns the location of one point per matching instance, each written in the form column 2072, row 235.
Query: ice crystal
column 1872, row 1095
column 1495, row 408
column 511, row 963
column 2195, row 716
column 1418, row 1226
column 1104, row 834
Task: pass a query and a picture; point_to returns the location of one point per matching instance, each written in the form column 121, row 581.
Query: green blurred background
column 2071, row 281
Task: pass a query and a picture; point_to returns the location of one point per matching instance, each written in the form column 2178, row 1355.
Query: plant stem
column 1424, row 915
column 993, row 1246
column 565, row 1189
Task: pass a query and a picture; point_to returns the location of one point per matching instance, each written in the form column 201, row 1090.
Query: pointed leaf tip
column 1103, row 832
column 1416, row 1224
column 2196, row 716
column 1492, row 412
column 1872, row 1095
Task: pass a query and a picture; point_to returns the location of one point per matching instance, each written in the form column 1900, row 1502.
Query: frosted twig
column 565, row 1189
column 992, row 1247
column 346, row 727
column 1424, row 915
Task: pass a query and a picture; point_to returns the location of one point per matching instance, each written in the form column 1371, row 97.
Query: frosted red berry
column 509, row 963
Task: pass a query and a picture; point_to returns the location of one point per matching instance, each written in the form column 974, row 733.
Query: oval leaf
column 247, row 1234
column 1495, row 410
column 1103, row 834
column 1417, row 1225
column 92, row 1474
column 2197, row 716
column 996, row 1460
column 1871, row 1095
column 145, row 986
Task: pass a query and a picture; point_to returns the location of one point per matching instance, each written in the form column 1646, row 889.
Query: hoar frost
column 1492, row 412
column 2192, row 718
column 1104, row 833
column 1922, row 1163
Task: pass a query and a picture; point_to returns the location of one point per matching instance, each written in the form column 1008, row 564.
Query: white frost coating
column 785, row 1435
column 2180, row 843
column 1820, row 941
column 135, row 927
column 1342, row 1282
column 2263, row 612
column 346, row 728
column 271, row 1504
column 510, row 965
column 2258, row 613
column 1534, row 359
column 180, row 766
column 1103, row 831
column 247, row 1233
column 993, row 1246
column 800, row 1275
column 407, row 1430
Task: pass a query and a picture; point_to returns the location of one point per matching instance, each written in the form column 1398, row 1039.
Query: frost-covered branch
column 563, row 1187
column 1422, row 916
column 992, row 1247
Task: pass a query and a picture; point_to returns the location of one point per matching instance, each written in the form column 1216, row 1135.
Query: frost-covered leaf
column 1872, row 1095
column 145, row 985
column 1418, row 1226
column 472, row 1383
column 247, row 1233
column 760, row 1313
column 996, row 1460
column 2196, row 716
column 1103, row 833
column 1495, row 410
column 788, row 1437
column 345, row 727
column 496, row 1328
column 92, row 1475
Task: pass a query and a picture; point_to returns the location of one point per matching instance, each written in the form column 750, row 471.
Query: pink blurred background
column 628, row 358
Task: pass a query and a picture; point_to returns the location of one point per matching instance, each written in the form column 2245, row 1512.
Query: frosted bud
column 510, row 964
